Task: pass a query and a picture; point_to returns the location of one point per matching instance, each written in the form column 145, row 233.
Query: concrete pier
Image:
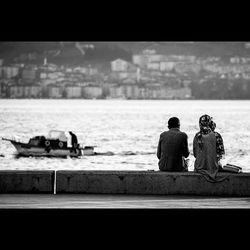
column 122, row 182
column 27, row 182
column 150, row 183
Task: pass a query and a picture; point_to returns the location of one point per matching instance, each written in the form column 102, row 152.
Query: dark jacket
column 172, row 147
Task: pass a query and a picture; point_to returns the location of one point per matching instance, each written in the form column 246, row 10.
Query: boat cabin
column 54, row 139
column 37, row 141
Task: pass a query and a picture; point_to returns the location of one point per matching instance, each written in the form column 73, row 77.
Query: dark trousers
column 74, row 147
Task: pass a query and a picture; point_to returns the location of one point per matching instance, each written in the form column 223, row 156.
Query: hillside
column 69, row 52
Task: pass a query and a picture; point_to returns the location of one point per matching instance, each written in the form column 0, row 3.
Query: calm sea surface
column 128, row 130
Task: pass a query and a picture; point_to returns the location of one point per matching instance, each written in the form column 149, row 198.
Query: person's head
column 70, row 132
column 173, row 122
column 205, row 122
column 206, row 126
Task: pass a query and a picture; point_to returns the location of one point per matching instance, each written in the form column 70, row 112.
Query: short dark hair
column 173, row 122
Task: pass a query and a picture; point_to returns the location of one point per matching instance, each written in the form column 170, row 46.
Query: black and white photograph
column 124, row 124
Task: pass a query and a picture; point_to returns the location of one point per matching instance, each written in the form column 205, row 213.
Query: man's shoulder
column 164, row 133
column 176, row 132
column 183, row 134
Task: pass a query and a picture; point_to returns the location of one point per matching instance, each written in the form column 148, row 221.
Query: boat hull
column 24, row 149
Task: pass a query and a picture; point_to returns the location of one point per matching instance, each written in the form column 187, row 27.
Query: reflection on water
column 125, row 133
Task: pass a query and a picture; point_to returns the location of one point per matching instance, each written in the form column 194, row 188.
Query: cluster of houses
column 150, row 75
column 106, row 91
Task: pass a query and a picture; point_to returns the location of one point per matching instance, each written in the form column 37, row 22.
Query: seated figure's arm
column 185, row 147
column 159, row 149
column 220, row 150
column 195, row 146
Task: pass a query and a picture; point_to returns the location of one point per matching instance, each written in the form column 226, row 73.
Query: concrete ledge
column 145, row 182
column 27, row 181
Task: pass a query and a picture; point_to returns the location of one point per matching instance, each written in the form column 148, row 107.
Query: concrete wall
column 27, row 181
column 144, row 182
column 122, row 182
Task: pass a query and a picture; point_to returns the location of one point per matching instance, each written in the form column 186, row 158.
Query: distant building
column 54, row 91
column 16, row 91
column 153, row 92
column 130, row 91
column 140, row 60
column 28, row 74
column 8, row 72
column 234, row 60
column 153, row 66
column 122, row 65
column 147, row 60
column 142, row 93
column 3, row 89
column 119, row 65
column 246, row 76
column 116, row 92
column 129, row 76
column 47, row 82
column 92, row 71
column 247, row 45
column 126, row 91
column 88, row 70
column 91, row 92
column 82, row 70
column 25, row 91
column 73, row 91
column 181, row 93
column 152, row 55
column 167, row 66
column 51, row 67
column 155, row 58
column 34, row 91
column 187, row 67
column 69, row 70
column 129, row 81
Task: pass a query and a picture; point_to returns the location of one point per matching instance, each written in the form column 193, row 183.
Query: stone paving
column 118, row 201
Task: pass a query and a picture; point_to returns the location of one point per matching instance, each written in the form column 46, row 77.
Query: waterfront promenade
column 34, row 201
column 121, row 189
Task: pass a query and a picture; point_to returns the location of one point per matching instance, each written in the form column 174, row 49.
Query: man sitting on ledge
column 173, row 148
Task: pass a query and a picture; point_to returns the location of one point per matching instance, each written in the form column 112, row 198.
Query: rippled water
column 129, row 129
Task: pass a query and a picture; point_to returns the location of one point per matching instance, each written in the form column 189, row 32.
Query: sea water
column 125, row 132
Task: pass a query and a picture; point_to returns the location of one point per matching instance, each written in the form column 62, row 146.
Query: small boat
column 53, row 145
